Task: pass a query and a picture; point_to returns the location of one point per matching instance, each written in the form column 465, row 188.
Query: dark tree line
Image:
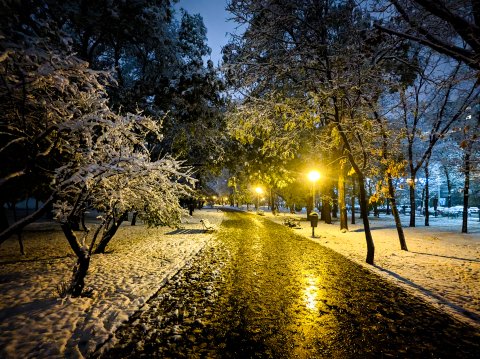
column 102, row 103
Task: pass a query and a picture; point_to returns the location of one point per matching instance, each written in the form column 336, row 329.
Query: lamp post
column 259, row 191
column 313, row 176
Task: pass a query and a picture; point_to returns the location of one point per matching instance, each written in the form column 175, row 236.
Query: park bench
column 207, row 225
column 292, row 222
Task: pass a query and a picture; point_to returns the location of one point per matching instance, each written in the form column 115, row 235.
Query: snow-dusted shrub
column 113, row 171
column 60, row 141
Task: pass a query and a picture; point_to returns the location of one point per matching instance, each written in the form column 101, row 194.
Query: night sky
column 215, row 18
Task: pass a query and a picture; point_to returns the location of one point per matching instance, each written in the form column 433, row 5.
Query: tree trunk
column 449, row 187
column 427, row 195
column 83, row 262
column 466, row 189
column 396, row 216
column 412, row 202
column 273, row 200
column 342, row 201
column 20, row 243
column 391, row 189
column 334, row 203
column 353, row 200
column 366, row 223
column 370, row 206
column 327, row 210
column 108, row 235
column 75, row 223
column 134, row 219
column 79, row 273
column 361, row 184
column 270, row 201
column 82, row 221
column 335, row 207
column 422, row 201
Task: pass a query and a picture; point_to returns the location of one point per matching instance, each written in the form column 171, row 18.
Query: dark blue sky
column 215, row 18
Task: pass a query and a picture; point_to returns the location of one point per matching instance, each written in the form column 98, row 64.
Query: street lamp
column 313, row 176
column 259, row 191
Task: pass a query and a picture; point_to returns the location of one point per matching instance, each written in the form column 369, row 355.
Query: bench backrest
column 206, row 223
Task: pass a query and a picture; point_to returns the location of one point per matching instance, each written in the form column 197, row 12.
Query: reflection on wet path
column 260, row 291
column 311, row 292
column 289, row 297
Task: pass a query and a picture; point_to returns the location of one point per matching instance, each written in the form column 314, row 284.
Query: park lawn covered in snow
column 35, row 322
column 442, row 266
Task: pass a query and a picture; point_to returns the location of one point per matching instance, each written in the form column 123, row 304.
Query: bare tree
column 450, row 27
column 467, row 135
column 428, row 110
column 393, row 169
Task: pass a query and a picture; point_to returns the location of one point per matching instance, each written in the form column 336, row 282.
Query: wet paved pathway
column 258, row 290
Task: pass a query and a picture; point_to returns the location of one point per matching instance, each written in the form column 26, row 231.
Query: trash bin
column 313, row 222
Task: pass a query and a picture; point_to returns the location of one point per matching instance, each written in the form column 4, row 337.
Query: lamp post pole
column 259, row 191
column 313, row 176
column 313, row 196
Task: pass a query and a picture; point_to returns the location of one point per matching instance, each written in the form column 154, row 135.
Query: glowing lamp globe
column 313, row 176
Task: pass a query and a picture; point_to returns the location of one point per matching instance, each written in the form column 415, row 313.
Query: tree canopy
column 95, row 106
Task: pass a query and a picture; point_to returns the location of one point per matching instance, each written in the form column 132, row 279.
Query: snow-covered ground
column 442, row 266
column 35, row 323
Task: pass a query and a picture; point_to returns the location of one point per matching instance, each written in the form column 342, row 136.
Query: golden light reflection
column 310, row 292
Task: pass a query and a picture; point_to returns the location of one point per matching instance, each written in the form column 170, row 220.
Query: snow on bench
column 292, row 223
column 207, row 225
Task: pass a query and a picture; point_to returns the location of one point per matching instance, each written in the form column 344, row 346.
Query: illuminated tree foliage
column 321, row 75
column 323, row 57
